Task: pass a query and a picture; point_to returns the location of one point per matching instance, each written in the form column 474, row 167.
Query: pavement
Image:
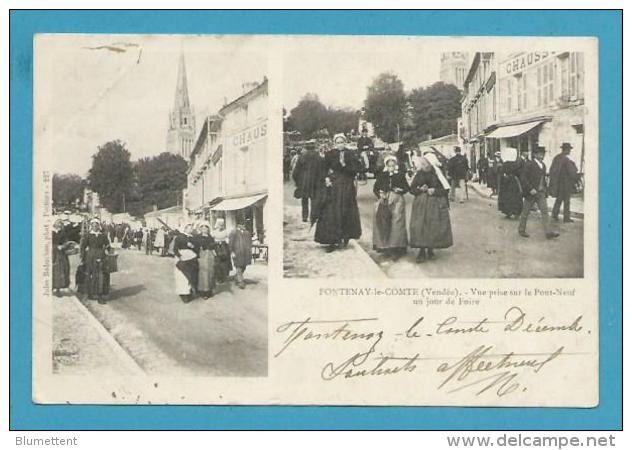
column 82, row 346
column 577, row 201
column 304, row 258
column 486, row 245
column 223, row 336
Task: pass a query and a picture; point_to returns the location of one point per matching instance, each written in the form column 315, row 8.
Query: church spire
column 181, row 132
column 182, row 90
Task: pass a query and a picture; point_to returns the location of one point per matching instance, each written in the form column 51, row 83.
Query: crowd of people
column 204, row 256
column 325, row 182
column 326, row 178
column 523, row 184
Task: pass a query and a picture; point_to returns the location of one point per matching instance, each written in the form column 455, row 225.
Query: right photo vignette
column 464, row 164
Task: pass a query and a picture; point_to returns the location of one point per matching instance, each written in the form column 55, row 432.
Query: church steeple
column 181, row 133
column 182, row 89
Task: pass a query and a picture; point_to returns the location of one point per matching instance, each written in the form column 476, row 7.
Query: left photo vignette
column 150, row 256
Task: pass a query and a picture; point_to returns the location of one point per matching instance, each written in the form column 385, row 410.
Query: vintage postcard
column 315, row 220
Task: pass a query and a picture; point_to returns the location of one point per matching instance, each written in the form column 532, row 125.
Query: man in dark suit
column 367, row 153
column 563, row 177
column 534, row 190
column 457, row 170
column 309, row 175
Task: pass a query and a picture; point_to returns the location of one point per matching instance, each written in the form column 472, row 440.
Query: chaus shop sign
column 250, row 135
column 524, row 61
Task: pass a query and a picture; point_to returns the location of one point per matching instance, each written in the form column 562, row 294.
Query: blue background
column 606, row 25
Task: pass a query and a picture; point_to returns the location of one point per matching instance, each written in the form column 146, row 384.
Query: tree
column 434, row 110
column 341, row 120
column 111, row 175
column 160, row 180
column 67, row 189
column 385, row 106
column 308, row 116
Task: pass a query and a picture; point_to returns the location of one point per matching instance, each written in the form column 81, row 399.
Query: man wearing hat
column 457, row 170
column 534, row 190
column 308, row 175
column 365, row 147
column 563, row 176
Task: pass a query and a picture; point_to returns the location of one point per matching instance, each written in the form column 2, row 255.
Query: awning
column 514, row 130
column 232, row 204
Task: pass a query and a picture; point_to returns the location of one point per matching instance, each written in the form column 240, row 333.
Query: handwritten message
column 481, row 368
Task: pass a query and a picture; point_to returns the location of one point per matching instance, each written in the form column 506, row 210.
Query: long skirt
column 185, row 274
column 509, row 195
column 492, row 178
column 206, row 271
column 97, row 280
column 340, row 217
column 430, row 222
column 397, row 236
column 223, row 263
column 61, row 269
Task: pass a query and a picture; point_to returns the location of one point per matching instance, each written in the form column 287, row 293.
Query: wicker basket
column 111, row 262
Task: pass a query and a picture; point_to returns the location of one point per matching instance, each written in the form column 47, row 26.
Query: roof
column 470, row 74
column 215, row 124
column 171, row 210
column 240, row 101
column 447, row 139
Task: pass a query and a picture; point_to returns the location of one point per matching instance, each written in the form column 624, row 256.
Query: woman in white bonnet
column 338, row 218
column 509, row 189
column 206, row 260
column 223, row 264
column 186, row 266
column 430, row 226
column 389, row 224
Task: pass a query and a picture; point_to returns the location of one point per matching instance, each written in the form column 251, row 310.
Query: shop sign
column 524, row 61
column 250, row 135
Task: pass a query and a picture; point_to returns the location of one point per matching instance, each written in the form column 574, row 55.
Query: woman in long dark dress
column 223, row 264
column 339, row 217
column 61, row 265
column 389, row 224
column 509, row 189
column 492, row 173
column 430, row 226
column 186, row 266
column 94, row 245
column 206, row 261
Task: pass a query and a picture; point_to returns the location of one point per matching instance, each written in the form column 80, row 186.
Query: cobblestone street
column 304, row 258
column 486, row 245
column 223, row 336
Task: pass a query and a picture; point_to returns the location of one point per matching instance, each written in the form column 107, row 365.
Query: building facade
column 479, row 107
column 181, row 133
column 453, row 68
column 228, row 165
column 529, row 99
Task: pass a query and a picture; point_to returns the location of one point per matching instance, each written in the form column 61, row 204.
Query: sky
column 93, row 94
column 340, row 76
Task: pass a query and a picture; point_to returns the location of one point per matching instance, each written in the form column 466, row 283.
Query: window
column 519, row 106
column 546, row 83
column 494, row 102
column 564, row 79
column 576, row 73
column 508, row 94
column 551, row 82
column 525, row 92
column 243, row 165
